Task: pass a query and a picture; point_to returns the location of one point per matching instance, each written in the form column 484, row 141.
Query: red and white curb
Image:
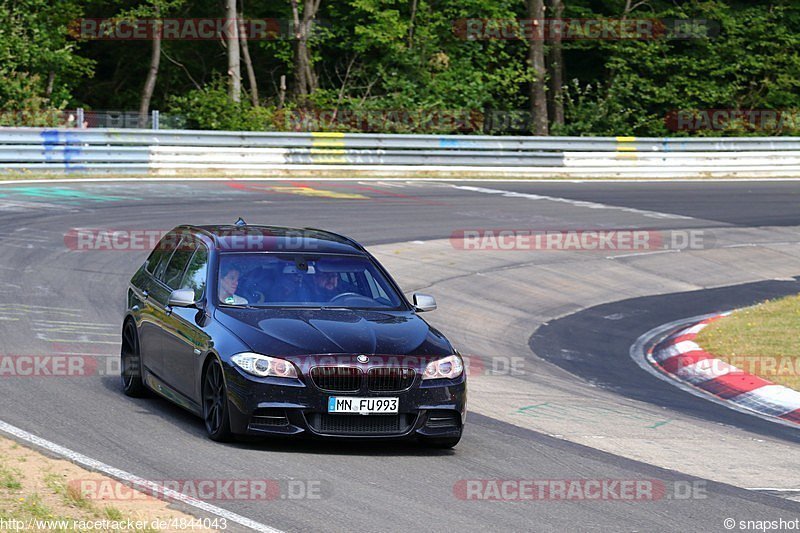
column 679, row 359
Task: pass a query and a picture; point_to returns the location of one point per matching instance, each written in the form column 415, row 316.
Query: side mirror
column 424, row 302
column 181, row 298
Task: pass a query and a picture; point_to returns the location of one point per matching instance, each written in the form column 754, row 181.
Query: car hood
column 294, row 332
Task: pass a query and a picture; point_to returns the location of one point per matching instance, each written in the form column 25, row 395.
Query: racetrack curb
column 683, row 360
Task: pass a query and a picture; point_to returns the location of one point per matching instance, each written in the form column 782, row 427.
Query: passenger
column 228, row 283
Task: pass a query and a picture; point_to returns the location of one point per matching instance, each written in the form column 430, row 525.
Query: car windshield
column 303, row 280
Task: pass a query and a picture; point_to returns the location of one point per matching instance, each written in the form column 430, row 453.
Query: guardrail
column 177, row 152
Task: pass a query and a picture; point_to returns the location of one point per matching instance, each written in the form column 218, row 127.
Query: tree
column 248, row 62
column 538, row 70
column 232, row 44
column 40, row 64
column 305, row 79
column 556, row 67
column 152, row 72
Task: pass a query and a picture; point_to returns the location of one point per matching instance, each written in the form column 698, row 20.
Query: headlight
column 448, row 368
column 263, row 366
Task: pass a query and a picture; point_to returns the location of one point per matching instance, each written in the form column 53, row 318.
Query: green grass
column 36, row 509
column 761, row 340
column 112, row 513
column 9, row 478
column 70, row 494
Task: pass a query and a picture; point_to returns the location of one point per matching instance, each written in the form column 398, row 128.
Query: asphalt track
column 54, row 299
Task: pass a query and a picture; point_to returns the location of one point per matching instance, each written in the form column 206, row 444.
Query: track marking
column 639, row 254
column 122, row 475
column 574, row 203
column 158, row 179
column 638, row 353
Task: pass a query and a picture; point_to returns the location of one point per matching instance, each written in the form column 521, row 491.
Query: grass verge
column 34, row 487
column 761, row 340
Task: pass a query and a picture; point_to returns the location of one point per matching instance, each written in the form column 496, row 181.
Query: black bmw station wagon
column 268, row 331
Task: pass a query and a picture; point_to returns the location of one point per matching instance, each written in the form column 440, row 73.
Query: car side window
column 195, row 276
column 161, row 254
column 177, row 263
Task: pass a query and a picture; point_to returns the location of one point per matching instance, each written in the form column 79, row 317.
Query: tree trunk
column 556, row 93
column 411, row 24
column 251, row 74
column 152, row 75
column 536, row 58
column 305, row 79
column 232, row 42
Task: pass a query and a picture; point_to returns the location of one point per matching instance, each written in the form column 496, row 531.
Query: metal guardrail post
column 79, row 118
column 155, row 118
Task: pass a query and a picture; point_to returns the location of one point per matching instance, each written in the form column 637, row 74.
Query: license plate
column 366, row 406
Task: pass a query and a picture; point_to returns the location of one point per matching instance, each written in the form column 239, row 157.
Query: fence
column 184, row 152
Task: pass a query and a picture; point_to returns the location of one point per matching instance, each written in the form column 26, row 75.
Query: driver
column 326, row 285
column 228, row 283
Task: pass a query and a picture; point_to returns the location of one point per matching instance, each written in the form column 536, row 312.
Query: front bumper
column 277, row 406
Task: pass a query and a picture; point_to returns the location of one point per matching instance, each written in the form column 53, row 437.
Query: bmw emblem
column 362, row 359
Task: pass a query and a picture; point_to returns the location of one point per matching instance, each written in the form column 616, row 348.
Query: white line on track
column 135, row 481
column 574, row 203
column 638, row 254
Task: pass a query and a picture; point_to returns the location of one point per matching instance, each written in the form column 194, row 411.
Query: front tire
column 215, row 404
column 131, row 363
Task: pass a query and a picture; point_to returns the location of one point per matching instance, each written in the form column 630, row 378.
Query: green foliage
column 39, row 62
column 403, row 66
column 210, row 108
column 749, row 60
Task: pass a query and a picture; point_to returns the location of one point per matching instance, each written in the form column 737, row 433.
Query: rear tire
column 131, row 363
column 215, row 404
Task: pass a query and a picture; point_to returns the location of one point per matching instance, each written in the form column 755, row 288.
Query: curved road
column 592, row 415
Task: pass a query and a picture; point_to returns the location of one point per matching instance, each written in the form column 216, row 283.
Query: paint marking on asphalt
column 407, row 180
column 638, row 254
column 574, row 203
column 136, row 481
column 639, row 354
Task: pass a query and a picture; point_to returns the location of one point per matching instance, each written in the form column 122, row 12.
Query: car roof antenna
column 241, row 222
